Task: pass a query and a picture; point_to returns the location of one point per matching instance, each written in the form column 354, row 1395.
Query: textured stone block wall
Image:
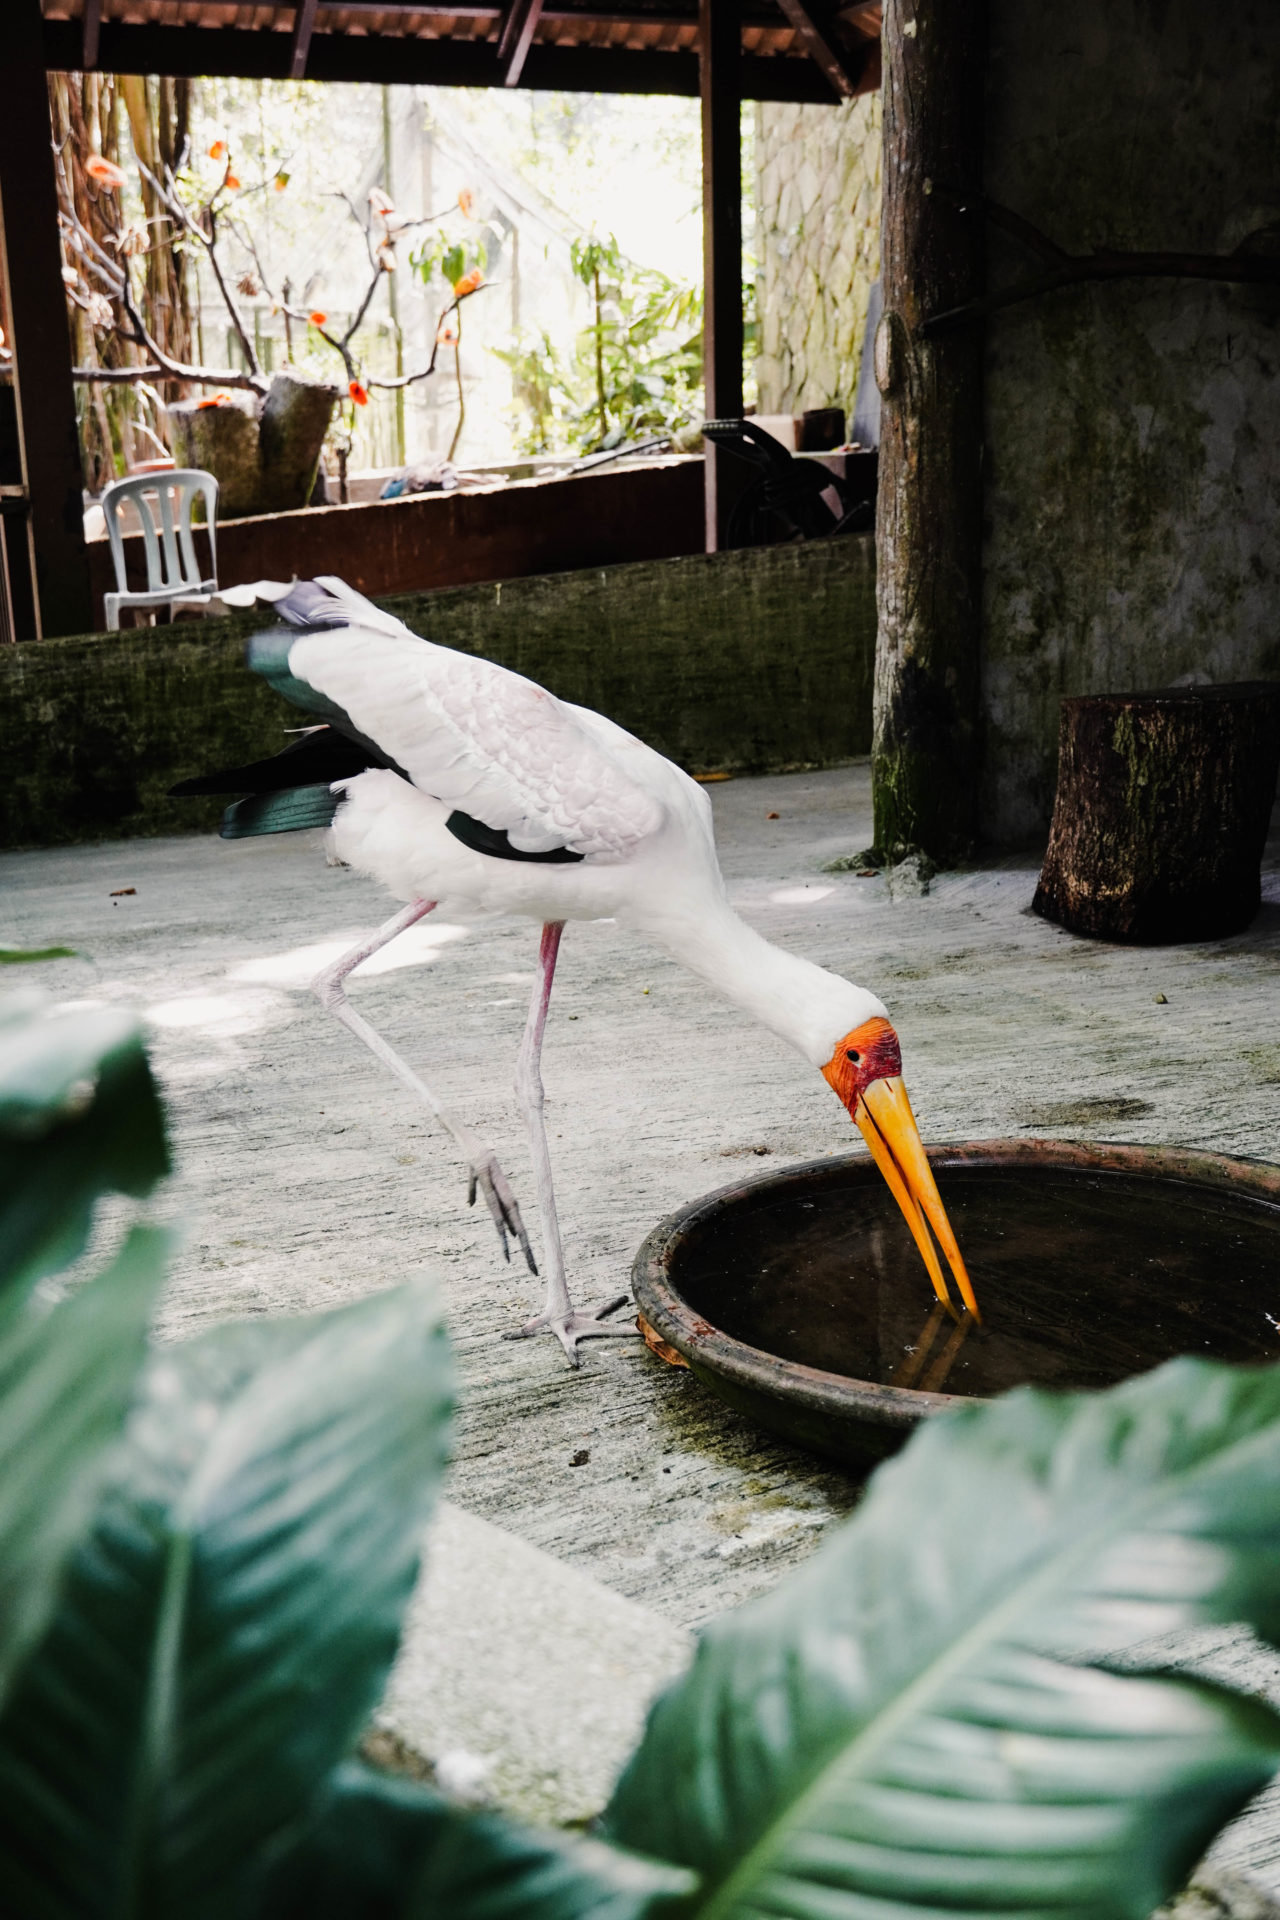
column 818, row 242
column 744, row 661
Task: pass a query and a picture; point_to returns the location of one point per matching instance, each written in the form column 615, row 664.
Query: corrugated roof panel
column 644, row 24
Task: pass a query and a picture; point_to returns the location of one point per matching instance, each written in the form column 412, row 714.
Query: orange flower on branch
column 466, row 201
column 317, row 319
column 105, row 172
column 218, row 151
column 448, row 334
column 359, row 393
column 468, row 283
column 231, row 181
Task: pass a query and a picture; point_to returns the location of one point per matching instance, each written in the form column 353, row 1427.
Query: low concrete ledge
column 522, row 1683
column 647, row 511
column 741, row 662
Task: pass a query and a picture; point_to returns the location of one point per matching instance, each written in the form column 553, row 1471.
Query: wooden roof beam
column 863, row 17
column 44, row 532
column 304, row 20
column 255, row 54
column 90, row 27
column 842, row 70
column 720, row 88
column 519, row 23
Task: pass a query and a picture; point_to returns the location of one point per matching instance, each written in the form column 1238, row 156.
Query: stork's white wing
column 484, row 740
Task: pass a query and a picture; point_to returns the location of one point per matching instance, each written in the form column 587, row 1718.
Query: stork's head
column 865, row 1070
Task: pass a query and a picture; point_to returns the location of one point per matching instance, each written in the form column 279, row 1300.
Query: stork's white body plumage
column 471, row 789
column 471, row 735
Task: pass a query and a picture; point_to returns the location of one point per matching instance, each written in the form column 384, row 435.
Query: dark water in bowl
column 1083, row 1278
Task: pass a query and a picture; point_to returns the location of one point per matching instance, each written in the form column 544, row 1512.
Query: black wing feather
column 495, row 841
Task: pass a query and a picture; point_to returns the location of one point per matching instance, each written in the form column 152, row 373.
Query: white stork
column 461, row 785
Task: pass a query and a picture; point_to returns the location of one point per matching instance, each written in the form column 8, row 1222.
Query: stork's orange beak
column 884, row 1118
column 877, row 1101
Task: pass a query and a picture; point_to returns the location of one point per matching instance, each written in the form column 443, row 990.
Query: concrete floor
column 310, row 1179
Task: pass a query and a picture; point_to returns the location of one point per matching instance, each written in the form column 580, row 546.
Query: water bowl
column 800, row 1299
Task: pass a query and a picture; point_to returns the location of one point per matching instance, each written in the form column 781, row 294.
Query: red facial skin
column 879, row 1057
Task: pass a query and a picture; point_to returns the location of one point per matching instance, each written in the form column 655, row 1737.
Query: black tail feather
column 316, row 757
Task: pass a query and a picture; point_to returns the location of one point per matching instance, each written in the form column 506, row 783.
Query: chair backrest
column 170, row 550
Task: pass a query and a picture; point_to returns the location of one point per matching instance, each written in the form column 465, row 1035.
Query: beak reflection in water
column 926, row 1365
column 865, row 1071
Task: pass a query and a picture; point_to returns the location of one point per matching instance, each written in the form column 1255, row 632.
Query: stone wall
column 818, row 244
column 1132, row 483
column 741, row 662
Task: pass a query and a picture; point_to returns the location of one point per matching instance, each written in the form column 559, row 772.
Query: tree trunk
column 929, row 515
column 1162, row 811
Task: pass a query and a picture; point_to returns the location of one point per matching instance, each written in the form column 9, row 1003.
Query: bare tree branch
column 424, row 373
column 174, row 204
column 203, row 229
column 171, row 370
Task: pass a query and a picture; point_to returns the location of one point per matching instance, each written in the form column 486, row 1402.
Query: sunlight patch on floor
column 298, row 966
column 802, row 896
column 224, row 1014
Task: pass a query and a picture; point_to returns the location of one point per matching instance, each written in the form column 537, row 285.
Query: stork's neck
column 801, row 1002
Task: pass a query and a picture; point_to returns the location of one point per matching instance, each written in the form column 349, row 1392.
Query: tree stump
column 1161, row 814
column 263, row 453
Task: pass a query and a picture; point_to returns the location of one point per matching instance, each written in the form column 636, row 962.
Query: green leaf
column 387, row 1849
column 229, row 1624
column 25, row 956
column 79, row 1117
column 66, row 1382
column 918, row 1722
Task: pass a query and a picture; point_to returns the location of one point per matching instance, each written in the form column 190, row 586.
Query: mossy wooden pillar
column 720, row 81
column 48, row 438
column 929, row 516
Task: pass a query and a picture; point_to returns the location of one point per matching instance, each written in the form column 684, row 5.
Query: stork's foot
column 579, row 1323
column 487, row 1177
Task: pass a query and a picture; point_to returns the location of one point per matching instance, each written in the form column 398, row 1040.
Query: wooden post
column 929, row 515
column 37, row 308
column 720, row 84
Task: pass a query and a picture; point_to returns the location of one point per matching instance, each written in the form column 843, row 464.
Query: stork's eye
column 854, row 1055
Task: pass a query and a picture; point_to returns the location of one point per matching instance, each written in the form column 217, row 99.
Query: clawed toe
column 578, row 1323
column 488, row 1178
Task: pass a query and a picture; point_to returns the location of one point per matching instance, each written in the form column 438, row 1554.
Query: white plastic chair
column 173, row 571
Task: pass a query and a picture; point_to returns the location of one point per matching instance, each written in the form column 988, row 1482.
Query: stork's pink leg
column 486, row 1175
column 559, row 1315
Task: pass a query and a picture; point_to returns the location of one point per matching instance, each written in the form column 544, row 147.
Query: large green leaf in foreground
column 915, row 1726
column 387, row 1849
column 66, row 1384
column 228, row 1625
column 79, row 1117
